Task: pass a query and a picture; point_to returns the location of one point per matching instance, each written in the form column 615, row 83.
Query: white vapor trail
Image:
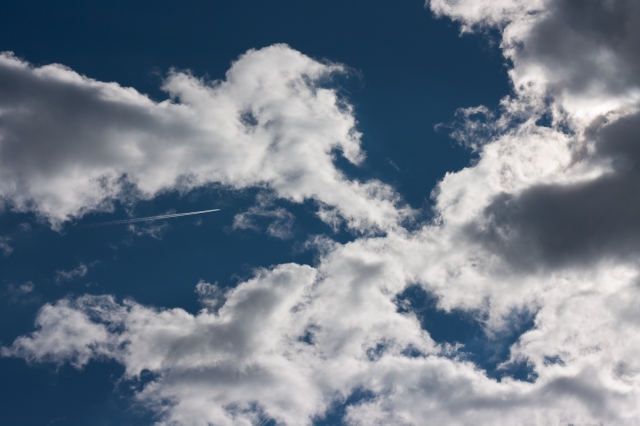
column 149, row 218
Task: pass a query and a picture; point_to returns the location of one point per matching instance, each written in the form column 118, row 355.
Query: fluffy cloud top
column 579, row 55
column 546, row 221
column 70, row 145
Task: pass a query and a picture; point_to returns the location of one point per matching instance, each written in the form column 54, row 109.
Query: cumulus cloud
column 293, row 340
column 573, row 62
column 71, row 145
column 255, row 348
column 545, row 221
column 582, row 54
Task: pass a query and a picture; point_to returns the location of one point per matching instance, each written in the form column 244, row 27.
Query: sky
column 428, row 212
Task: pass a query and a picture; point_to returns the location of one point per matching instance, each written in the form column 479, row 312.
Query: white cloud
column 475, row 14
column 581, row 54
column 211, row 296
column 282, row 220
column 26, row 287
column 545, row 221
column 80, row 271
column 153, row 231
column 23, row 293
column 70, row 145
column 292, row 340
column 5, row 247
column 65, row 334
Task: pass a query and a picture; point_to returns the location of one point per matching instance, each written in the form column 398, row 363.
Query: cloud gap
column 466, row 331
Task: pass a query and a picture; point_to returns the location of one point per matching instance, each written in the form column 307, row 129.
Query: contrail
column 148, row 219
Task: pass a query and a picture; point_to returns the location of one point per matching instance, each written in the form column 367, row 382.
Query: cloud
column 573, row 62
column 26, row 287
column 211, row 296
column 291, row 341
column 475, row 15
column 582, row 54
column 282, row 221
column 23, row 293
column 65, row 334
column 5, row 247
column 153, row 231
column 80, row 271
column 545, row 222
column 71, row 145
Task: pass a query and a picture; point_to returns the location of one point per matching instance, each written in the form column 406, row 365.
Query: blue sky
column 427, row 212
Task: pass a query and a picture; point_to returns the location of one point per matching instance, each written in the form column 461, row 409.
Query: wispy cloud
column 281, row 220
column 22, row 293
column 153, row 231
column 80, row 271
column 5, row 247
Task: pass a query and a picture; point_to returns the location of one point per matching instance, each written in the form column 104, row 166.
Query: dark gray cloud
column 553, row 225
column 556, row 225
column 584, row 53
column 587, row 42
column 619, row 142
column 46, row 121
